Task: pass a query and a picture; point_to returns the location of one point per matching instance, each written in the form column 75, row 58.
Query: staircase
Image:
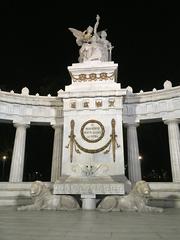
column 12, row 194
column 165, row 194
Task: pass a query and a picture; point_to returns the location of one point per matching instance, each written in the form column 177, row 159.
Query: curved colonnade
column 158, row 105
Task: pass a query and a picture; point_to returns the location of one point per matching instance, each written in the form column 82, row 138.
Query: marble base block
column 88, row 201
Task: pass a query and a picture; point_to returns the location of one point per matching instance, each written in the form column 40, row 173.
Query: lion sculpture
column 136, row 200
column 44, row 199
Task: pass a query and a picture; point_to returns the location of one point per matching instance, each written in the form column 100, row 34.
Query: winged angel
column 85, row 36
column 93, row 46
column 82, row 37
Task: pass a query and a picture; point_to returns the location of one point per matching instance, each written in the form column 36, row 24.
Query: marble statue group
column 94, row 45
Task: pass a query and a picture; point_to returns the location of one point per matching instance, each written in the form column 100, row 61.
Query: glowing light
column 4, row 157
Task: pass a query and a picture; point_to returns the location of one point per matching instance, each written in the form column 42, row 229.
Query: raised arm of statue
column 96, row 25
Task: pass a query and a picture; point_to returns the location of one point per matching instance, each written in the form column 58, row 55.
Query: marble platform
column 89, row 185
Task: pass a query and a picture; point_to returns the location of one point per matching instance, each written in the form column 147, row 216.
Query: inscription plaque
column 92, row 131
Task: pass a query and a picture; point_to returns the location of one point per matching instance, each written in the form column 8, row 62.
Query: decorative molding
column 92, row 77
column 86, row 104
column 111, row 102
column 86, row 188
column 98, row 103
column 87, row 170
column 73, row 104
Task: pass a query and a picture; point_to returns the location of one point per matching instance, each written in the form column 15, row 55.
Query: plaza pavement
column 88, row 225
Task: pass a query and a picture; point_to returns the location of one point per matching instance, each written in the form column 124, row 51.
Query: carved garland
column 92, row 77
column 74, row 145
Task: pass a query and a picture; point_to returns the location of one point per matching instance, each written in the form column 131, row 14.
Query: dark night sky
column 36, row 48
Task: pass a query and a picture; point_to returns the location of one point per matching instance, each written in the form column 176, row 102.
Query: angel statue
column 94, row 45
column 82, row 37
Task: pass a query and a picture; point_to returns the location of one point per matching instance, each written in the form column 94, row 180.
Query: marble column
column 88, row 201
column 134, row 166
column 57, row 152
column 174, row 147
column 17, row 164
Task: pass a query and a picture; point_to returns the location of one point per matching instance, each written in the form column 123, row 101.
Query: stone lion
column 136, row 200
column 44, row 199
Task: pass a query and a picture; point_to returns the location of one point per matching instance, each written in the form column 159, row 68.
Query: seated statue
column 44, row 199
column 136, row 200
column 94, row 45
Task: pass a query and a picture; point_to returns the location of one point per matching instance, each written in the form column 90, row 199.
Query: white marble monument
column 92, row 157
column 87, row 117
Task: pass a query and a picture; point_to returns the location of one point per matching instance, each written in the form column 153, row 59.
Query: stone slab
column 92, row 185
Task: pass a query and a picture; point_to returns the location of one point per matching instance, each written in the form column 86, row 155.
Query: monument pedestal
column 92, row 76
column 89, row 187
column 93, row 154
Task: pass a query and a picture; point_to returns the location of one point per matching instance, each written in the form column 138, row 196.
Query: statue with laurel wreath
column 94, row 45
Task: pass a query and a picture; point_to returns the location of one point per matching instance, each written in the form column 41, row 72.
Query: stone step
column 166, row 191
column 15, row 186
column 12, row 194
column 169, row 195
column 165, row 194
column 164, row 186
column 165, row 203
column 9, row 201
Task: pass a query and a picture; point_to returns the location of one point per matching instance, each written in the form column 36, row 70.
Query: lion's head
column 37, row 188
column 142, row 188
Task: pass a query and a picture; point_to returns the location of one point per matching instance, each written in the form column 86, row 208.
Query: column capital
column 57, row 124
column 134, row 124
column 173, row 120
column 25, row 125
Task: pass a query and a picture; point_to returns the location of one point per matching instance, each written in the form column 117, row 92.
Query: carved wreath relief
column 92, row 131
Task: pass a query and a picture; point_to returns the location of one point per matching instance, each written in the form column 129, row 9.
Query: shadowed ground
column 87, row 225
